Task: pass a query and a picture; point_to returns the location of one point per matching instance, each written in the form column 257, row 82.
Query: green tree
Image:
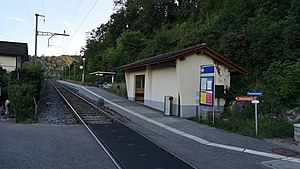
column 129, row 47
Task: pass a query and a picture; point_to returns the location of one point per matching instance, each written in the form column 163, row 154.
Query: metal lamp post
column 65, row 73
column 82, row 78
column 83, row 68
column 83, row 72
column 74, row 70
column 69, row 73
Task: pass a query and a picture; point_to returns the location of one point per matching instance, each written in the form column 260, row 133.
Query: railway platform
column 24, row 146
column 198, row 144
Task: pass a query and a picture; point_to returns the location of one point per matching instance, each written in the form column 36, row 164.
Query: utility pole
column 36, row 32
column 41, row 33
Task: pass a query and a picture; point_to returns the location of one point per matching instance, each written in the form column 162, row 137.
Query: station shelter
column 103, row 77
column 190, row 79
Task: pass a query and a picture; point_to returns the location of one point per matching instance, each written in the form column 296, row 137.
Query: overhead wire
column 28, row 14
column 75, row 11
column 43, row 6
column 62, row 41
column 81, row 23
column 44, row 25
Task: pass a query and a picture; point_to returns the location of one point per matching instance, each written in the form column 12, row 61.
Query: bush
column 118, row 89
column 281, row 89
column 24, row 86
column 22, row 105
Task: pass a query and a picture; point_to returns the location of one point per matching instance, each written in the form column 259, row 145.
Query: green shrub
column 281, row 89
column 21, row 105
column 24, row 86
column 118, row 89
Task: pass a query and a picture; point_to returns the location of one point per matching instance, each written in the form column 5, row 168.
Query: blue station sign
column 207, row 69
column 254, row 93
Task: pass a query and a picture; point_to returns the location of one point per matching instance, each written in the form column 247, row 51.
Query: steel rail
column 159, row 145
column 91, row 104
column 107, row 151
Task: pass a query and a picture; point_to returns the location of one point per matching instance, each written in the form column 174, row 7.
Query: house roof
column 14, row 49
column 167, row 57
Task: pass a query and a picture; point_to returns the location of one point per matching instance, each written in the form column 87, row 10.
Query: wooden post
column 17, row 111
column 35, row 110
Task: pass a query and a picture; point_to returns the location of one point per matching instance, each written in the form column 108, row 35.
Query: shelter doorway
column 139, row 87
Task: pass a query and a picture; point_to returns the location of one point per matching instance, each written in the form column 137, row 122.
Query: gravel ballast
column 52, row 109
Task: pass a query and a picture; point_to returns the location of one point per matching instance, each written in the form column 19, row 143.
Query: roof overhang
column 180, row 54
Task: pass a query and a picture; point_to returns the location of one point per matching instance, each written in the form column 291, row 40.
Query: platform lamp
column 83, row 68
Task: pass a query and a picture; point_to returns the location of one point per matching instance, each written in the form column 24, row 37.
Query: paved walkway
column 24, row 146
column 196, row 143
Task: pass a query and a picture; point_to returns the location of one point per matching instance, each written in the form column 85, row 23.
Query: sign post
column 255, row 102
column 207, row 87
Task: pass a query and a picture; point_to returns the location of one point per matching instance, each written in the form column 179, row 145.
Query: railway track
column 125, row 147
column 85, row 111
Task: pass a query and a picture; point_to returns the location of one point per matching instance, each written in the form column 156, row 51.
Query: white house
column 13, row 55
column 178, row 74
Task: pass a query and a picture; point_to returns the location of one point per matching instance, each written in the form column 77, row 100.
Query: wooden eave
column 168, row 57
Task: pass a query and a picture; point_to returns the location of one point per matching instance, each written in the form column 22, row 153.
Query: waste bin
column 168, row 105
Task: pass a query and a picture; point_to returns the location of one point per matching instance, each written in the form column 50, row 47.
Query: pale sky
column 76, row 17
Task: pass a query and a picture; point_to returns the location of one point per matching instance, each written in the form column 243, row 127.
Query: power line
column 44, row 25
column 75, row 10
column 62, row 40
column 43, row 6
column 28, row 15
column 82, row 23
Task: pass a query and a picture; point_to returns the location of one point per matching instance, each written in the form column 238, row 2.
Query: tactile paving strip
column 133, row 150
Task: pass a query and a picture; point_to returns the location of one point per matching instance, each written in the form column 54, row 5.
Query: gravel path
column 52, row 109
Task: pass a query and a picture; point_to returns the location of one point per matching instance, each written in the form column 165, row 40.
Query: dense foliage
column 25, row 85
column 260, row 35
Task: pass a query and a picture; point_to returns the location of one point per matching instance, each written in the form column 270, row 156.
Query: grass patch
column 244, row 124
column 118, row 89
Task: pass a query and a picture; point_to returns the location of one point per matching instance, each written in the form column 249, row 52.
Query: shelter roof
column 167, row 57
column 104, row 73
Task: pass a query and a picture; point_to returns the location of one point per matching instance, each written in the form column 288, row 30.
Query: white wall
column 164, row 82
column 8, row 63
column 188, row 72
column 148, row 84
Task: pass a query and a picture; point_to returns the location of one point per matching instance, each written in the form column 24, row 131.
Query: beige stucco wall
column 158, row 83
column 148, row 84
column 164, row 82
column 8, row 63
column 188, row 72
